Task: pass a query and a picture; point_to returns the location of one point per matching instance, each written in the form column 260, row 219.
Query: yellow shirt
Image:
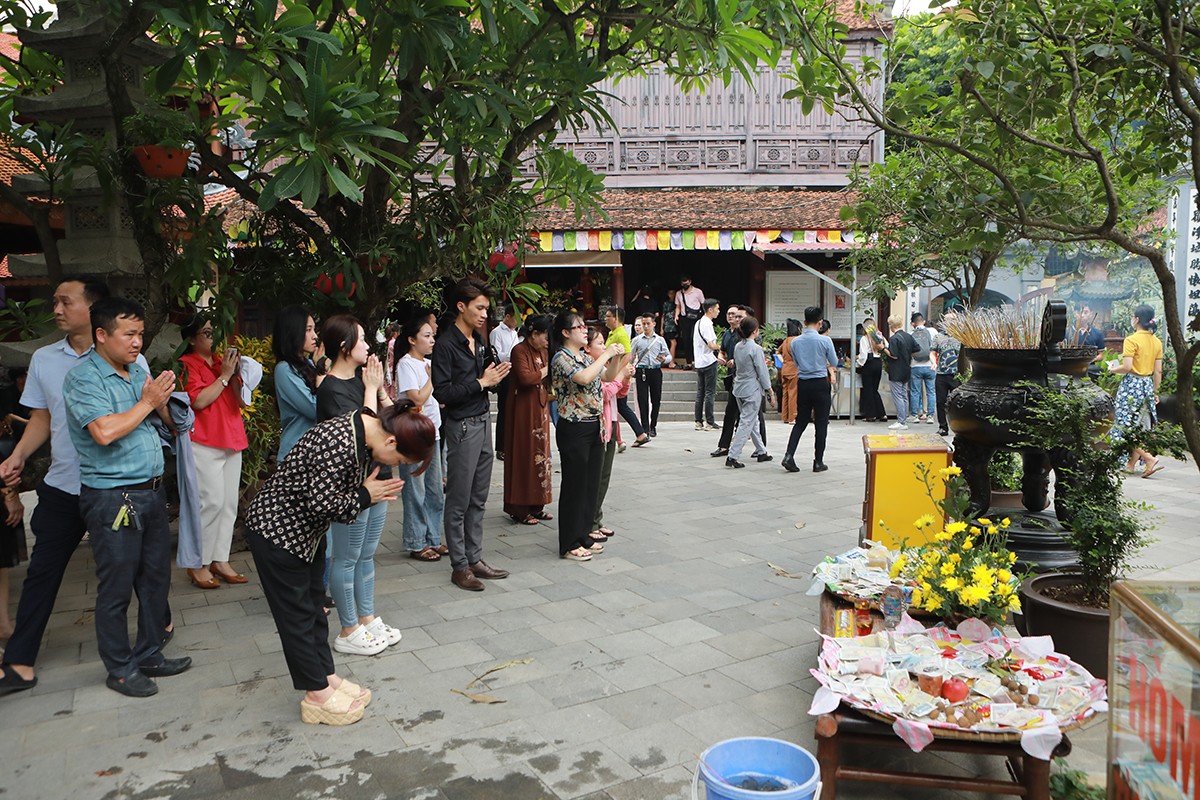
column 620, row 336
column 1145, row 348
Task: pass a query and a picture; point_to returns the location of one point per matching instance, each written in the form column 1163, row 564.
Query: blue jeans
column 352, row 576
column 135, row 558
column 424, row 499
column 923, row 378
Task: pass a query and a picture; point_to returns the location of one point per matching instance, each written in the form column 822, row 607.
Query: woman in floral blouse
column 576, row 381
column 324, row 479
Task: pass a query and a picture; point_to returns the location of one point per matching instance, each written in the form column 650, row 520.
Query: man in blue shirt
column 816, row 366
column 109, row 398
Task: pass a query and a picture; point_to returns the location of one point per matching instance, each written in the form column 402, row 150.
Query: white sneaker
column 381, row 630
column 902, row 428
column 360, row 643
column 895, row 426
column 699, row 426
column 930, row 420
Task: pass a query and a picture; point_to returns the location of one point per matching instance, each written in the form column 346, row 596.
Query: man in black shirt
column 464, row 371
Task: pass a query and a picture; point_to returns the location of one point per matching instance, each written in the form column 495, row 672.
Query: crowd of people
column 359, row 431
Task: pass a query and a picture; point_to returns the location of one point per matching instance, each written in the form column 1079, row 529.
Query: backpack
column 923, row 344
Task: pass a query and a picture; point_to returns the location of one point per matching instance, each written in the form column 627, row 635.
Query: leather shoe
column 465, row 579
column 480, row 569
column 168, row 667
column 720, row 451
column 211, row 583
column 789, row 465
column 733, row 462
column 819, row 466
column 764, row 457
column 135, row 685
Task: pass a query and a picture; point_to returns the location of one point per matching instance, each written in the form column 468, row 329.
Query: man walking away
column 898, row 353
column 650, row 355
column 614, row 320
column 705, row 347
column 922, row 394
column 109, row 399
column 503, row 339
column 464, row 371
column 816, row 370
column 947, row 348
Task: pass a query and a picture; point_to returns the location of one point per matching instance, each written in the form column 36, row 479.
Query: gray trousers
column 610, row 452
column 747, row 427
column 468, row 478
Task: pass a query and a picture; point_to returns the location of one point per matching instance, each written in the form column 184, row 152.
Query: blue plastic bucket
column 761, row 757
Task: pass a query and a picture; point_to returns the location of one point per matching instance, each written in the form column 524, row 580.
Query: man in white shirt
column 704, row 348
column 503, row 339
column 650, row 355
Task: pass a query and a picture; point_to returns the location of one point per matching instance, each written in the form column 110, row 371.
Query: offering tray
column 1015, row 689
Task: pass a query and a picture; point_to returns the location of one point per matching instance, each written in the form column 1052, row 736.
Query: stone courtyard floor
column 679, row 636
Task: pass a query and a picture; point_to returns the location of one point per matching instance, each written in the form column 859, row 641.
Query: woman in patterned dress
column 1141, row 371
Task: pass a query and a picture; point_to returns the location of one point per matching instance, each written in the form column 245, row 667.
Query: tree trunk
column 986, row 262
column 1185, row 356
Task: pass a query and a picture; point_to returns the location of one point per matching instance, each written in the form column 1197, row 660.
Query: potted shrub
column 1105, row 529
column 161, row 142
column 1006, row 471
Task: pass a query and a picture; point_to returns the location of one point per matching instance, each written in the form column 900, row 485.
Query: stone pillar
column 618, row 286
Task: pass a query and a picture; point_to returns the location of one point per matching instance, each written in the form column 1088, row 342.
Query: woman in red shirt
column 218, row 439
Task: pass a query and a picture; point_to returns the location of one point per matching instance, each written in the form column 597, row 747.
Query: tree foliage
column 391, row 139
column 1074, row 114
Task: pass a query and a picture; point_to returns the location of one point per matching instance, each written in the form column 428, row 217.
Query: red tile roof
column 704, row 209
column 10, row 45
column 4, row 272
column 848, row 15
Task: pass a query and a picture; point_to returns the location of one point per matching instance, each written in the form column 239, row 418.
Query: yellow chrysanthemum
column 947, row 568
column 984, row 521
column 898, row 566
column 942, row 536
column 954, row 558
column 924, row 521
column 1012, row 557
column 1014, row 603
column 916, row 598
column 993, row 530
column 981, row 574
column 926, row 588
column 968, row 544
column 1004, row 589
column 951, row 584
column 1003, row 575
column 1004, row 523
column 955, row 528
column 934, row 601
column 950, row 472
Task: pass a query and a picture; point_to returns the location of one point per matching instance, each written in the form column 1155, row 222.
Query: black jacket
column 456, row 372
column 899, row 357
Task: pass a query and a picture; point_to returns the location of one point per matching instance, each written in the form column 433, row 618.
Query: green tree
column 1074, row 111
column 389, row 137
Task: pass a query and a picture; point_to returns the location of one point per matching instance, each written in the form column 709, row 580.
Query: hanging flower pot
column 158, row 161
column 339, row 282
column 324, row 285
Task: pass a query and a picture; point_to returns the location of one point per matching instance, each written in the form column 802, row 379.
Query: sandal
column 11, row 681
column 598, row 537
column 428, row 554
column 543, row 515
column 596, row 547
column 578, row 554
column 606, row 532
column 442, row 550
column 529, row 519
column 339, row 709
column 354, row 692
column 644, row 439
column 1158, row 467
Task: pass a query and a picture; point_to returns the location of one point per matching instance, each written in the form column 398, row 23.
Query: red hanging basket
column 158, row 161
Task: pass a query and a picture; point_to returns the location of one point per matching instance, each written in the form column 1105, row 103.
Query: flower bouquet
column 964, row 569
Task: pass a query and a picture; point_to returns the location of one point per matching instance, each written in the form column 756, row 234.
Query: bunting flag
column 773, row 235
column 618, row 240
column 849, row 237
column 664, row 240
column 835, row 236
column 724, row 240
column 737, row 240
column 569, row 240
column 762, row 238
column 593, row 240
column 545, row 240
column 701, row 240
column 713, row 240
column 689, row 240
column 748, row 239
column 558, row 243
column 787, row 236
column 679, row 240
column 605, row 240
column 651, row 240
column 639, row 240
column 810, row 237
column 822, row 236
column 581, row 240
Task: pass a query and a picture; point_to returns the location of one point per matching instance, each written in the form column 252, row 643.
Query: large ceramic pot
column 1079, row 631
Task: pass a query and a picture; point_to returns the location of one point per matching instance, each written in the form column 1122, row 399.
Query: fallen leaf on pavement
column 497, row 668
column 479, row 698
column 800, row 525
column 781, row 572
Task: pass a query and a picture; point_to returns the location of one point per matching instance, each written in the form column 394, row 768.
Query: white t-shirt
column 410, row 374
column 701, row 336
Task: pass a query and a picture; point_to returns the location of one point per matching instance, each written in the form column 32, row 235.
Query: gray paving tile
column 696, row 657
column 576, row 771
column 643, row 707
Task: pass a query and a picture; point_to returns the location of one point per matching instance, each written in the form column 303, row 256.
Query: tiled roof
column 9, row 167
column 848, row 16
column 9, row 45
column 712, row 209
column 4, row 271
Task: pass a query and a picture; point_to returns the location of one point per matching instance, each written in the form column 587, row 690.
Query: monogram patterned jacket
column 320, row 481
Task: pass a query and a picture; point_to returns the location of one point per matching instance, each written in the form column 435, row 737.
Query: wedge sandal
column 355, row 692
column 338, row 710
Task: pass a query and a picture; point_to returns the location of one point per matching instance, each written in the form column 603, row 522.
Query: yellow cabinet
column 896, row 495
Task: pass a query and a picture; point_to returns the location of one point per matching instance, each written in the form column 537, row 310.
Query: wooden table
column 1030, row 775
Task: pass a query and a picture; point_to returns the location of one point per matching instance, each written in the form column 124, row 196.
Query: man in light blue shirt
column 816, row 366
column 109, row 399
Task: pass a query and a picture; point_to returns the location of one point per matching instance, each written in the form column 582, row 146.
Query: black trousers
column 869, row 401
column 627, row 414
column 649, row 392
column 683, row 347
column 733, row 413
column 295, row 591
column 501, row 411
column 581, row 459
column 812, row 400
column 943, row 385
column 58, row 528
